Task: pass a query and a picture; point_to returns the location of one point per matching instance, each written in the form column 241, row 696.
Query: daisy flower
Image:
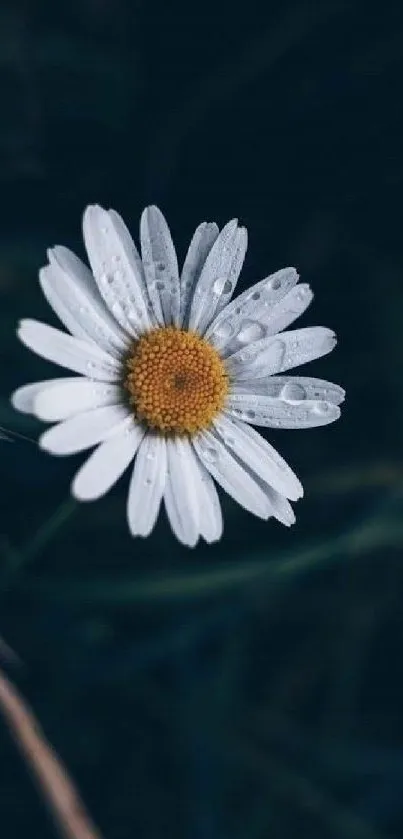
column 172, row 374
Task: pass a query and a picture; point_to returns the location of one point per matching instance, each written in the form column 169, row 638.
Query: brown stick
column 58, row 791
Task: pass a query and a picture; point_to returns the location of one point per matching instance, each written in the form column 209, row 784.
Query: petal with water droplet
column 281, row 412
column 219, row 276
column 275, row 354
column 67, row 351
column 293, row 388
column 69, row 288
column 255, row 452
column 255, row 304
column 203, row 240
column 117, row 269
column 288, row 309
column 230, row 474
column 147, row 485
column 181, row 499
column 160, row 266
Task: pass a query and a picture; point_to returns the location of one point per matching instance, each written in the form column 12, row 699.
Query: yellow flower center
column 176, row 381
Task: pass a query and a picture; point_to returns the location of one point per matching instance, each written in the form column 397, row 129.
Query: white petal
column 288, row 309
column 281, row 507
column 210, row 515
column 181, row 498
column 276, row 412
column 160, row 266
column 199, row 248
column 147, row 485
column 85, row 430
column 236, row 262
column 148, row 319
column 251, row 306
column 70, row 289
column 69, row 398
column 292, row 388
column 23, row 398
column 117, row 269
column 219, row 276
column 132, row 255
column 278, row 506
column 230, row 474
column 278, row 353
column 106, row 464
column 252, row 450
column 269, row 321
column 62, row 349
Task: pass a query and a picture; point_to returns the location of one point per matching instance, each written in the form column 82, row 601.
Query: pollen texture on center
column 177, row 382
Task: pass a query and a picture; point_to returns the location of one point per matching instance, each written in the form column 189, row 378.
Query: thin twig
column 58, row 790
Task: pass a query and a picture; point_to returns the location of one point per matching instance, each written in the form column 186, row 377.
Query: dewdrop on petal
column 168, row 371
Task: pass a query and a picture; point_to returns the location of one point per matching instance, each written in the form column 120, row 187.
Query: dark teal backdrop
column 252, row 688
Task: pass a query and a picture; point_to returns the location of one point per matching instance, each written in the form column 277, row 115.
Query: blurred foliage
column 252, row 688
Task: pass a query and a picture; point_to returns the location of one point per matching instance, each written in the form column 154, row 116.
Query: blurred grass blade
column 376, row 532
column 14, row 559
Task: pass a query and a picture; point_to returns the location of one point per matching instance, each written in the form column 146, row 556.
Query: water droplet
column 293, row 392
column 256, row 295
column 301, row 293
column 210, row 454
column 273, row 357
column 218, row 286
column 148, row 482
column 116, row 309
column 224, row 330
column 227, row 287
column 321, row 407
column 250, row 330
column 160, row 266
column 274, row 283
column 160, row 286
column 249, row 355
column 150, row 455
column 250, row 415
column 116, row 258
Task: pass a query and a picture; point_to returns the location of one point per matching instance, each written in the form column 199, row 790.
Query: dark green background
column 253, row 688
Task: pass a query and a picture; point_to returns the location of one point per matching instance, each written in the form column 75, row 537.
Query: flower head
column 171, row 373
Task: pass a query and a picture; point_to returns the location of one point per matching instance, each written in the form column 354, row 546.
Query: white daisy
column 172, row 373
